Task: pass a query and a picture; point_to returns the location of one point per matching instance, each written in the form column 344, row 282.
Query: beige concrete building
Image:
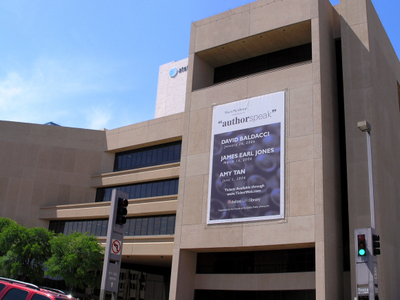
column 310, row 71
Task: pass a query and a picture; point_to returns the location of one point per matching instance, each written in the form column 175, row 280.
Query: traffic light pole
column 366, row 263
column 114, row 242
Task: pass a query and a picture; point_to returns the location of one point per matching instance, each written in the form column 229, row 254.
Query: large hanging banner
column 247, row 160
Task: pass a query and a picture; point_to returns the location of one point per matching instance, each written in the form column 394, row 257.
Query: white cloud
column 11, row 88
column 98, row 117
column 18, row 97
column 53, row 88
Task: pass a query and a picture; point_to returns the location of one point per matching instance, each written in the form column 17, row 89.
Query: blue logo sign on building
column 173, row 72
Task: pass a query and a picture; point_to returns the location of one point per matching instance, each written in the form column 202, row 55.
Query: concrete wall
column 371, row 72
column 46, row 165
column 145, row 134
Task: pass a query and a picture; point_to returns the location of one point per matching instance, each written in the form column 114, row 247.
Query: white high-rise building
column 171, row 89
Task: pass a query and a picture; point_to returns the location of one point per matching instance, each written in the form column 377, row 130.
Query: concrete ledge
column 98, row 210
column 153, row 173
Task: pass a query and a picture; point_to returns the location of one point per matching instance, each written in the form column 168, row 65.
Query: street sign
column 116, row 243
column 112, row 278
column 116, row 246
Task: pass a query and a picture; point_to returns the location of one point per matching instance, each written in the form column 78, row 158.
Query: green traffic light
column 362, row 247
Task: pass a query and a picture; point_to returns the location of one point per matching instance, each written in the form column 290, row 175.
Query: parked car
column 11, row 289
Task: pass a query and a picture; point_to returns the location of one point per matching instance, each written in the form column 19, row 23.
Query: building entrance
column 144, row 283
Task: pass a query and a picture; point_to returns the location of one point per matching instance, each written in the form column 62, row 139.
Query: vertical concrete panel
column 301, row 182
column 192, row 210
column 301, row 111
column 320, row 274
column 198, row 131
column 182, row 282
column 203, row 74
column 329, row 231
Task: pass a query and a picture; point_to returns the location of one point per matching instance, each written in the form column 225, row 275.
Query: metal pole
column 371, row 181
column 113, row 296
column 107, row 252
column 364, row 126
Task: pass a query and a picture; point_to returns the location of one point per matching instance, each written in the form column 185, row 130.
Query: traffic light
column 362, row 245
column 121, row 211
column 376, row 244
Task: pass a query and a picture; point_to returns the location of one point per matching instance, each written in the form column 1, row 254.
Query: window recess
column 264, row 51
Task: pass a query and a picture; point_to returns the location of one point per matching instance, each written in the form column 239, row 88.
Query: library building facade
column 254, row 175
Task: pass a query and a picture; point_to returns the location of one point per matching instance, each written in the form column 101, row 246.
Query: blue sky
column 94, row 63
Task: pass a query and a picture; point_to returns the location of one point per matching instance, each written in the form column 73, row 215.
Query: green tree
column 77, row 258
column 24, row 251
column 5, row 244
column 5, row 222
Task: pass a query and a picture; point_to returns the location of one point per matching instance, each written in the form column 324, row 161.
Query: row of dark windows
column 154, row 225
column 261, row 262
column 263, row 63
column 141, row 190
column 254, row 295
column 149, row 156
column 159, row 225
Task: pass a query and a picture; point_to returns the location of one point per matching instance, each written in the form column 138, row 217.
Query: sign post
column 115, row 239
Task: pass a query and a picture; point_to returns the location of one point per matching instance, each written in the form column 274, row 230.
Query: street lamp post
column 366, row 261
column 364, row 126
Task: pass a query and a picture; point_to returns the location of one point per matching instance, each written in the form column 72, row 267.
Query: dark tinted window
column 40, row 297
column 2, row 286
column 152, row 225
column 261, row 262
column 141, row 190
column 16, row 294
column 149, row 156
column 263, row 63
